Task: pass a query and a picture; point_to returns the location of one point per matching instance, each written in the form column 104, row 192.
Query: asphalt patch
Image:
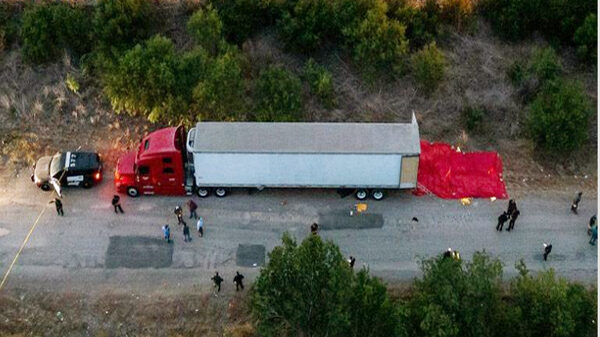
column 342, row 220
column 250, row 255
column 138, row 252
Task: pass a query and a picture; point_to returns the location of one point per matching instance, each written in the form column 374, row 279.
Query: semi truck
column 218, row 157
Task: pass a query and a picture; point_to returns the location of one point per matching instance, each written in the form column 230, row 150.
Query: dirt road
column 93, row 249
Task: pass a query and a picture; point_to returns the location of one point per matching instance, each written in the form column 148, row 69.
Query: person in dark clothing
column 547, row 250
column 501, row 220
column 512, row 206
column 591, row 224
column 59, row 207
column 179, row 214
column 237, row 279
column 116, row 202
column 193, row 207
column 217, row 280
column 186, row 233
column 167, row 233
column 314, row 228
column 576, row 202
column 448, row 253
column 513, row 217
column 351, row 260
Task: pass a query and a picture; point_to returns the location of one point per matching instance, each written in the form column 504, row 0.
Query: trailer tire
column 132, row 192
column 361, row 194
column 377, row 194
column 45, row 187
column 203, row 192
column 220, row 192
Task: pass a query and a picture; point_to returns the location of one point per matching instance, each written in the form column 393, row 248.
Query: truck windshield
column 57, row 164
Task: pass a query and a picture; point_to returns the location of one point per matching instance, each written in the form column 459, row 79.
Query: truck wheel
column 132, row 192
column 377, row 194
column 361, row 194
column 86, row 184
column 220, row 192
column 203, row 192
column 45, row 187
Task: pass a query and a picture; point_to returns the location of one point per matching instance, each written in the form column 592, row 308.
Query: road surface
column 93, row 249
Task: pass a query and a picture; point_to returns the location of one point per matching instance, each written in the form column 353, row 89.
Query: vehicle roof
column 366, row 138
column 160, row 141
column 80, row 160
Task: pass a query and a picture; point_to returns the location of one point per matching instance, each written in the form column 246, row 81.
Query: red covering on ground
column 453, row 175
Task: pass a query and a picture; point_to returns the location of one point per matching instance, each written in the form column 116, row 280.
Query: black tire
column 220, row 192
column 203, row 192
column 45, row 187
column 361, row 194
column 132, row 192
column 377, row 194
column 86, row 184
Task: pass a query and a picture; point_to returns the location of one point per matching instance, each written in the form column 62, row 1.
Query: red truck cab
column 157, row 167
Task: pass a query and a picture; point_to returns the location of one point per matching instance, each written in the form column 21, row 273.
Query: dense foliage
column 586, row 39
column 320, row 82
column 429, row 66
column 559, row 117
column 242, row 18
column 206, row 28
column 278, row 96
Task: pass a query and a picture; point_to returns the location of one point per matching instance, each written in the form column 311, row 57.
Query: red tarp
column 450, row 174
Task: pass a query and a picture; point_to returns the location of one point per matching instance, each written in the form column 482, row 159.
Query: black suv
column 69, row 169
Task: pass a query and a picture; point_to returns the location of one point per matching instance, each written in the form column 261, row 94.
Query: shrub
column 559, row 117
column 278, row 96
column 586, row 39
column 144, row 81
column 429, row 67
column 120, row 24
column 72, row 83
column 458, row 13
column 422, row 23
column 10, row 17
column 220, row 94
column 50, row 28
column 545, row 65
column 320, row 82
column 306, row 24
column 517, row 73
column 206, row 28
column 242, row 18
column 473, row 117
column 378, row 43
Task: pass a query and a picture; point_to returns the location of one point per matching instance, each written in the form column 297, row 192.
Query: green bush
column 544, row 305
column 206, row 27
column 320, row 82
column 10, row 23
column 305, row 25
column 120, row 24
column 422, row 23
column 517, row 73
column 545, row 65
column 473, row 117
column 220, row 94
column 242, row 18
column 278, row 96
column 310, row 290
column 559, row 117
column 145, row 81
column 586, row 39
column 458, row 13
column 378, row 43
column 50, row 28
column 429, row 67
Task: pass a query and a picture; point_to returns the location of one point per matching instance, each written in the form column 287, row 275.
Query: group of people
column 186, row 229
column 511, row 213
column 237, row 280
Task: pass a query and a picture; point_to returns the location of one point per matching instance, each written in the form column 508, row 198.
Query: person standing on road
column 547, row 250
column 186, row 233
column 512, row 206
column 513, row 217
column 59, row 206
column 179, row 214
column 167, row 233
column 576, row 202
column 237, row 279
column 351, row 261
column 501, row 220
column 116, row 202
column 591, row 224
column 200, row 226
column 314, row 228
column 217, row 280
column 594, row 237
column 193, row 207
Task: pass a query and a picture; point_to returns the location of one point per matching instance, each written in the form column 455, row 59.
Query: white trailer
column 367, row 157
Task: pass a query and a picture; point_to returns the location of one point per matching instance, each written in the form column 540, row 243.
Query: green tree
column 429, row 67
column 559, row 117
column 207, row 29
column 306, row 24
column 144, row 81
column 586, row 39
column 278, row 96
column 545, row 65
column 120, row 24
column 378, row 43
column 422, row 23
column 242, row 18
column 320, row 82
column 220, row 94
